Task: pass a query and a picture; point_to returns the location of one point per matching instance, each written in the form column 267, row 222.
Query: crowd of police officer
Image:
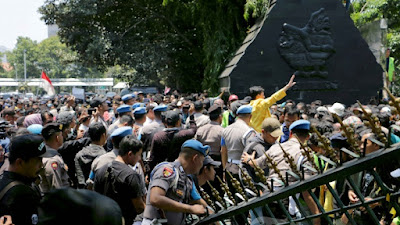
column 144, row 159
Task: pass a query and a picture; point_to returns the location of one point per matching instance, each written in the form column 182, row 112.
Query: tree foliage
column 365, row 11
column 178, row 43
column 50, row 55
column 16, row 57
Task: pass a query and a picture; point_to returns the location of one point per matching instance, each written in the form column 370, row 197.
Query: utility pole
column 16, row 72
column 25, row 64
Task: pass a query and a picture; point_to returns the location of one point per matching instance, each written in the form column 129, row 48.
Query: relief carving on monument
column 307, row 49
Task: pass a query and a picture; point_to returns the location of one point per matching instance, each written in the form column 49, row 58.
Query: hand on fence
column 352, row 196
column 6, row 220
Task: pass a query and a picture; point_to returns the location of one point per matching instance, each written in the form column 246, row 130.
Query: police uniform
column 200, row 120
column 199, row 117
column 235, row 137
column 150, row 129
column 293, row 148
column 171, row 177
column 210, row 134
column 55, row 173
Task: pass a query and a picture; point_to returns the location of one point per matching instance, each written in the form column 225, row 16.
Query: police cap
column 171, row 117
column 198, row 105
column 196, row 145
column 50, row 129
column 209, row 161
column 140, row 110
column 160, row 108
column 127, row 97
column 122, row 132
column 137, row 104
column 300, row 124
column 27, row 146
column 215, row 109
column 244, row 109
column 124, row 109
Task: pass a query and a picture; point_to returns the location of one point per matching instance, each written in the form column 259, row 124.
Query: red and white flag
column 47, row 85
column 166, row 90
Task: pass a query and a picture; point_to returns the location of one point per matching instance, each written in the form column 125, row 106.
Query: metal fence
column 388, row 197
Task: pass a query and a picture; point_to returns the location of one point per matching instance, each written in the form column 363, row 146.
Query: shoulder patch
column 54, row 165
column 167, row 172
column 179, row 192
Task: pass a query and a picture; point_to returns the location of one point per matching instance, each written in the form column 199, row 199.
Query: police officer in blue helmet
column 170, row 186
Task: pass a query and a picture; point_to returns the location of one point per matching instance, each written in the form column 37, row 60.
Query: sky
column 20, row 18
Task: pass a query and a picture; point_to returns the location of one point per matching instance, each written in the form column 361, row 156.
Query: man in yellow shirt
column 261, row 104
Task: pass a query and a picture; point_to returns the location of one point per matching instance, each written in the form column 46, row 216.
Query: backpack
column 8, row 187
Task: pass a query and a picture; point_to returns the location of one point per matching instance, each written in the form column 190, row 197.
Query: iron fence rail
column 343, row 171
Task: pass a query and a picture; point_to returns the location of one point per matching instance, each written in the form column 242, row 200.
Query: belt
column 234, row 161
column 153, row 221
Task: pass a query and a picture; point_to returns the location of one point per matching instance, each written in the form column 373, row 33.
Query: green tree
column 59, row 61
column 53, row 57
column 50, row 55
column 179, row 43
column 16, row 57
column 365, row 11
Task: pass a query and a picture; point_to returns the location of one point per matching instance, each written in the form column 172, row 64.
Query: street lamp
column 25, row 64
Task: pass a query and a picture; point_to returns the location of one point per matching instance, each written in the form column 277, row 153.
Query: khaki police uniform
column 55, row 173
column 200, row 120
column 172, row 178
column 236, row 137
column 292, row 147
column 210, row 134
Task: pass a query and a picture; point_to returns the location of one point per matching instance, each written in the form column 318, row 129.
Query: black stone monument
column 317, row 41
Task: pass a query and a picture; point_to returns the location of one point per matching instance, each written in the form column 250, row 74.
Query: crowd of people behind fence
column 147, row 158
